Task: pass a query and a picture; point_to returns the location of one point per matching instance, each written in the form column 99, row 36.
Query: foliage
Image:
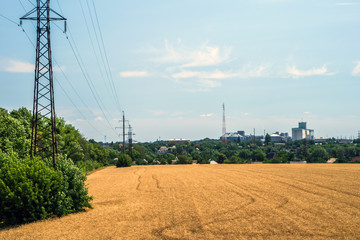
column 318, row 155
column 258, row 155
column 74, row 188
column 13, row 136
column 183, row 160
column 124, row 160
column 267, row 139
column 30, row 189
column 248, row 151
column 221, row 157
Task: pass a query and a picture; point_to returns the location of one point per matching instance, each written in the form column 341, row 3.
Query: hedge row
column 30, row 189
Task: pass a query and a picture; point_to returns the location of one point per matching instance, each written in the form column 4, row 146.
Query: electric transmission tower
column 123, row 130
column 224, row 140
column 130, row 136
column 43, row 135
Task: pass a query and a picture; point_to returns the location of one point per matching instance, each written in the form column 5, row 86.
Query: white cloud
column 248, row 71
column 210, row 75
column 323, row 71
column 99, row 119
column 207, row 83
column 134, row 74
column 15, row 66
column 208, row 56
column 204, row 55
column 306, row 112
column 207, row 115
column 356, row 70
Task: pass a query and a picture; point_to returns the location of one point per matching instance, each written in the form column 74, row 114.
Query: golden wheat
column 213, row 202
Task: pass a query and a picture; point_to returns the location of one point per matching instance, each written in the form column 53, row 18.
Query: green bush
column 74, row 189
column 88, row 165
column 30, row 189
column 124, row 160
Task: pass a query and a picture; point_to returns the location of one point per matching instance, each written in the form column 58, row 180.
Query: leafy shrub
column 74, row 190
column 88, row 165
column 30, row 189
column 124, row 160
column 13, row 136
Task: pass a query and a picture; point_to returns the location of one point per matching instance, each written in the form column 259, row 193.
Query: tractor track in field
column 212, row 202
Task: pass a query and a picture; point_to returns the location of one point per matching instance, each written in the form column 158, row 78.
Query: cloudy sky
column 170, row 65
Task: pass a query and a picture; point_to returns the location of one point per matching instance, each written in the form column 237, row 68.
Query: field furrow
column 212, row 202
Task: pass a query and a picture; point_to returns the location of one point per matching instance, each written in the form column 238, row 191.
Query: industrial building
column 302, row 132
column 240, row 136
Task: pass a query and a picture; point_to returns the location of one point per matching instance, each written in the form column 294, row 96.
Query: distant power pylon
column 224, row 140
column 130, row 136
column 43, row 135
column 123, row 130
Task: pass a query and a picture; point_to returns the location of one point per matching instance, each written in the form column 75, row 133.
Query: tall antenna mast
column 224, row 140
column 43, row 124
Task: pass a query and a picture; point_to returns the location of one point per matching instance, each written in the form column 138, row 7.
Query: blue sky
column 173, row 64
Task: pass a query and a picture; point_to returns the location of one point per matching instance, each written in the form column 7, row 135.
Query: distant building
column 163, row 150
column 176, row 160
column 302, row 132
column 240, row 136
column 233, row 137
column 280, row 137
column 344, row 141
column 178, row 140
column 321, row 140
column 355, row 160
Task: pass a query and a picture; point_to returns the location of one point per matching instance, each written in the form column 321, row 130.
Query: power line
column 72, row 102
column 103, row 56
column 93, row 47
column 106, row 57
column 102, row 52
column 89, row 82
column 83, row 69
column 9, row 19
column 62, row 88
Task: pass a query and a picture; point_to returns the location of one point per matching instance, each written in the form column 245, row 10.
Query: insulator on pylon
column 65, row 26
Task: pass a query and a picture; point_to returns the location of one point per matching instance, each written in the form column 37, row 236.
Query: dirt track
column 213, row 202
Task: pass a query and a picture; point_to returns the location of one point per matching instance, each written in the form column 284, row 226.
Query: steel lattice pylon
column 43, row 137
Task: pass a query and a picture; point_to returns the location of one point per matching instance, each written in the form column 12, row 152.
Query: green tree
column 245, row 154
column 13, row 136
column 318, row 155
column 183, row 159
column 124, row 160
column 267, row 139
column 258, row 155
column 221, row 157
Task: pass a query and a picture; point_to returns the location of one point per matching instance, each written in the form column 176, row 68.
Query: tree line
column 15, row 137
column 30, row 187
column 244, row 152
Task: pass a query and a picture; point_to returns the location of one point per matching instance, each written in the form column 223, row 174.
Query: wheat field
column 213, row 202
